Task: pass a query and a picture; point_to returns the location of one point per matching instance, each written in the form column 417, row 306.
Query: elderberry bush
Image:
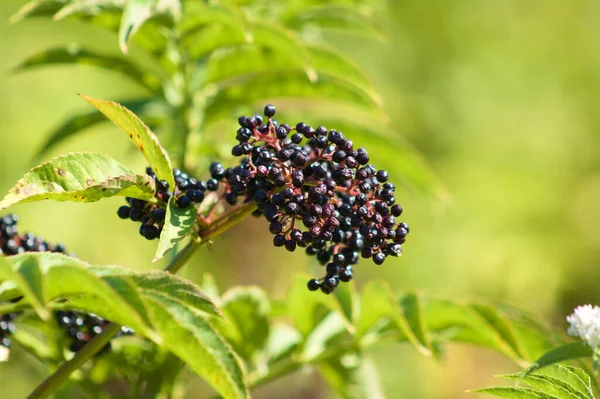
column 318, row 192
column 78, row 326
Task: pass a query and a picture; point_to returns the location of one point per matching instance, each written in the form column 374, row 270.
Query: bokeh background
column 500, row 97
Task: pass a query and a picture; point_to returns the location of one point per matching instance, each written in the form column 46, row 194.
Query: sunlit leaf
column 139, row 134
column 178, row 225
column 79, row 177
column 200, row 346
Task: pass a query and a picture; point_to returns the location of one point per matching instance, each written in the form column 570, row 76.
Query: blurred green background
column 500, row 97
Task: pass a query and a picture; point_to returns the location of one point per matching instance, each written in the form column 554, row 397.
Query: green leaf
column 412, row 307
column 307, row 309
column 347, row 297
column 247, row 311
column 88, row 7
column 199, row 345
column 139, row 134
column 159, row 306
column 377, row 303
column 502, row 325
column 37, row 8
column 562, row 353
column 75, row 55
column 338, row 17
column 161, row 283
column 178, row 225
column 555, row 382
column 137, row 12
column 80, row 177
column 278, row 85
column 27, row 280
column 243, row 61
column 562, row 382
column 152, row 113
column 515, row 393
column 286, row 42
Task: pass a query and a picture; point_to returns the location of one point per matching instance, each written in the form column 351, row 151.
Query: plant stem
column 51, row 383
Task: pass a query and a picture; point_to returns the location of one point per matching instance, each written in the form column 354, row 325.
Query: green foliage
column 555, row 382
column 167, row 310
column 178, row 225
column 210, row 58
column 81, row 177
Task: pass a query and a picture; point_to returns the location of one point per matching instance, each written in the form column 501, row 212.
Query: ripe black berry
column 269, row 110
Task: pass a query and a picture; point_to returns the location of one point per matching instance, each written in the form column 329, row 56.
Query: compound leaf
column 79, row 177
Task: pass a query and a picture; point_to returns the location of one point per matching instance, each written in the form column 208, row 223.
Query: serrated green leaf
column 470, row 327
column 562, row 353
column 378, row 302
column 37, row 8
column 150, row 111
column 163, row 283
column 139, row 134
column 567, row 386
column 75, row 55
column 560, row 382
column 80, row 177
column 199, row 345
column 515, row 393
column 178, row 225
column 247, row 311
column 137, row 12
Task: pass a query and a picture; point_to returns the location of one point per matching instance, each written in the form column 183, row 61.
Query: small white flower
column 585, row 323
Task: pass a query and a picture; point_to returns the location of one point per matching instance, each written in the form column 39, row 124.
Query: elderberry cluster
column 151, row 216
column 318, row 192
column 81, row 328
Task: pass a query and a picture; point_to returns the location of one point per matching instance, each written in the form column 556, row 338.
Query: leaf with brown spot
column 80, row 177
column 140, row 135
